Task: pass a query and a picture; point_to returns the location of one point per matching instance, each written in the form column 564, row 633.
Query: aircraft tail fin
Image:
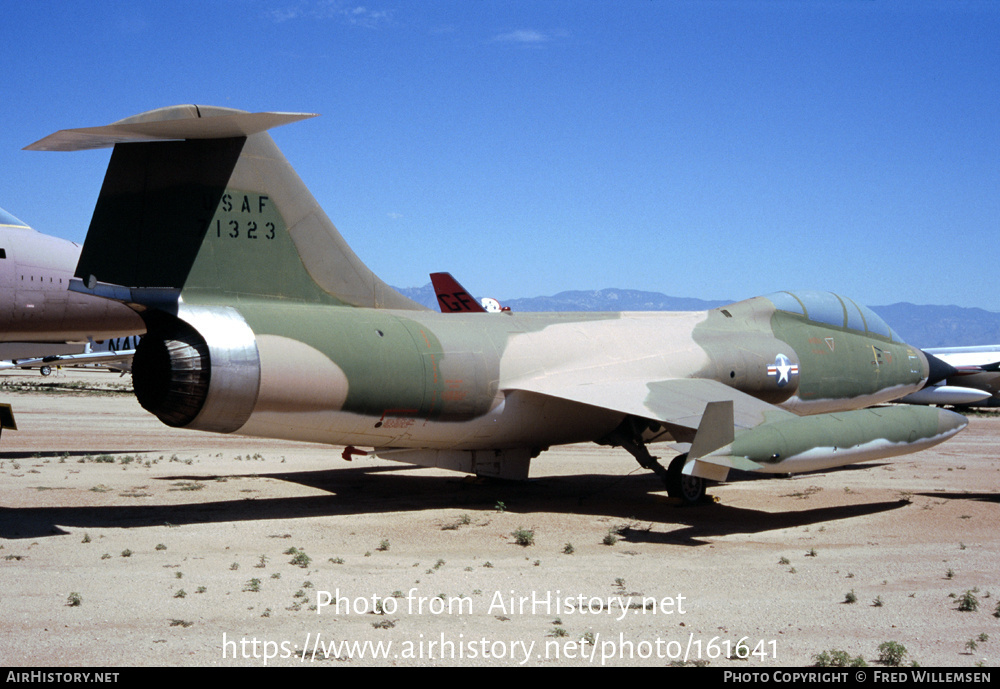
column 198, row 203
column 452, row 297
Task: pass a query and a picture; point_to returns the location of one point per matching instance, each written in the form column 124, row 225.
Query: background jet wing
column 679, row 402
column 116, row 361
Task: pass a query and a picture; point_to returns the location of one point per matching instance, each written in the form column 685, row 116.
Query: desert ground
column 127, row 543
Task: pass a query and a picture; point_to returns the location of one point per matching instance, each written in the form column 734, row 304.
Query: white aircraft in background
column 974, row 382
column 42, row 323
column 114, row 354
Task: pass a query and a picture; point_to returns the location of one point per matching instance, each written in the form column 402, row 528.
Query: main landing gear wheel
column 628, row 435
column 690, row 489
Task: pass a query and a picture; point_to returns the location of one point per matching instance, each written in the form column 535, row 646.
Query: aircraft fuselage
column 390, row 378
column 264, row 322
column 35, row 304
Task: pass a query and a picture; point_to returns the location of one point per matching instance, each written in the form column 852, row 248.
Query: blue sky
column 711, row 149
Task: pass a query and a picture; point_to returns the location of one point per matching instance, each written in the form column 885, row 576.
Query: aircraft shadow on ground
column 70, row 457
column 981, row 497
column 636, row 500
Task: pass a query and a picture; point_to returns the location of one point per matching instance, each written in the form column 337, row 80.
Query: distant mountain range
column 921, row 326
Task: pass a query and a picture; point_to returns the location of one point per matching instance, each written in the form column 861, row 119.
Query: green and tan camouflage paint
column 222, row 221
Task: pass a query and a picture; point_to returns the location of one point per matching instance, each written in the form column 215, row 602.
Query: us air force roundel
column 783, row 369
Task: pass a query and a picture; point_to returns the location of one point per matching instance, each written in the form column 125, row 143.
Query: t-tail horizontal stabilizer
column 198, row 205
column 183, row 122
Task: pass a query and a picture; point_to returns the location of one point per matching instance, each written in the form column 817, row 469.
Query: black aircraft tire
column 690, row 489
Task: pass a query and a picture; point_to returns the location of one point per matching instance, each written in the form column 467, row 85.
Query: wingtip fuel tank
column 811, row 443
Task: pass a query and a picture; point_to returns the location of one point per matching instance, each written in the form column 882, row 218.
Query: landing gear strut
column 690, row 489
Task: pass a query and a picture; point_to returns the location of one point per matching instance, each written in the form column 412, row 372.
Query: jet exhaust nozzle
column 198, row 370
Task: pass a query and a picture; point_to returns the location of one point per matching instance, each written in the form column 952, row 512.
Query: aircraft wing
column 729, row 429
column 679, row 403
column 699, row 411
column 117, row 361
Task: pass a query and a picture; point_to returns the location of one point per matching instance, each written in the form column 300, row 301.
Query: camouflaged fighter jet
column 262, row 321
